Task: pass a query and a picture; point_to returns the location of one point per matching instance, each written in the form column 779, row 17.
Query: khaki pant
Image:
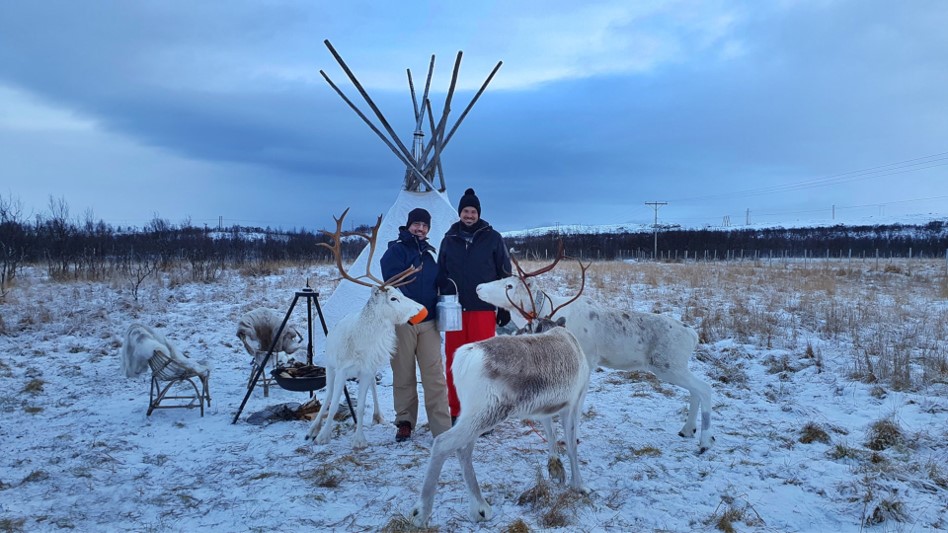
column 421, row 343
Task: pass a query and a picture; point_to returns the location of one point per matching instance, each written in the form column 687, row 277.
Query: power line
column 890, row 169
column 656, row 205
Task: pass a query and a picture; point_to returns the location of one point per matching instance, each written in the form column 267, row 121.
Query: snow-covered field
column 831, row 414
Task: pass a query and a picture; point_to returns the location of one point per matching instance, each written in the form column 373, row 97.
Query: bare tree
column 12, row 241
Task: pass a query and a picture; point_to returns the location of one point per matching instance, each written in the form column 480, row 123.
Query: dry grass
column 884, row 434
column 401, row 524
column 893, row 314
column 732, row 510
column 812, row 432
column 555, row 506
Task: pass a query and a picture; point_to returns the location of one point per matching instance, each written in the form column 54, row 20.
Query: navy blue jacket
column 479, row 258
column 407, row 251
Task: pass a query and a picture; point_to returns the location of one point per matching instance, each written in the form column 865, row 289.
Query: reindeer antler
column 582, row 285
column 559, row 255
column 395, row 281
column 523, row 275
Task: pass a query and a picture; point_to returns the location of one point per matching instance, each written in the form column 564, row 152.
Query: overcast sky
column 200, row 110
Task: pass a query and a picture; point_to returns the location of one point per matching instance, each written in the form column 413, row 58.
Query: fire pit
column 300, row 377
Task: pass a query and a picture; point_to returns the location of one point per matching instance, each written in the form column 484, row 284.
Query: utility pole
column 656, row 205
column 747, row 221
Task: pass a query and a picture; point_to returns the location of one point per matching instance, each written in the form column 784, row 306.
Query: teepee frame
column 420, row 171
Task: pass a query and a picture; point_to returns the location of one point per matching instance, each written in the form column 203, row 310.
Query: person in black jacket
column 419, row 342
column 472, row 252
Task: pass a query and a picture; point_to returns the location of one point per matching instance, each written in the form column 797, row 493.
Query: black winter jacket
column 469, row 263
column 407, row 251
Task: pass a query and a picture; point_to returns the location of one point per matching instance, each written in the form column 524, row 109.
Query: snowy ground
column 80, row 454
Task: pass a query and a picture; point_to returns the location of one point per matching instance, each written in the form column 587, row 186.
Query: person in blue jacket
column 419, row 343
column 472, row 252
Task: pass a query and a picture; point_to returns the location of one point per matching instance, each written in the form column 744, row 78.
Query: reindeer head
column 516, row 293
column 390, row 303
column 540, row 319
column 292, row 339
column 385, row 298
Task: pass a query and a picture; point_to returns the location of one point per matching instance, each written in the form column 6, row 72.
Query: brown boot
column 404, row 431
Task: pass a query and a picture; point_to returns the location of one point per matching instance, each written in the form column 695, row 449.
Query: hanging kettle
column 449, row 311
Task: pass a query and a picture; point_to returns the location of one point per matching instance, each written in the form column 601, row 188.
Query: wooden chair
column 166, row 372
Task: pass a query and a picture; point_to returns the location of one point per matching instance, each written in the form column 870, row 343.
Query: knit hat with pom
column 469, row 200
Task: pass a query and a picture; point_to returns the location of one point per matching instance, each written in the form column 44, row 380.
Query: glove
column 503, row 317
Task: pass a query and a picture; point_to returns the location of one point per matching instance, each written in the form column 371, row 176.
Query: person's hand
column 503, row 317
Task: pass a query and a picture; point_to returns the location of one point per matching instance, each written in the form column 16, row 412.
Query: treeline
column 895, row 240
column 96, row 250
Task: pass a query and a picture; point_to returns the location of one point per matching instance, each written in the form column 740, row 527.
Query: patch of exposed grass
column 842, row 451
column 937, row 474
column 884, row 434
column 324, row 475
column 812, row 432
column 554, row 507
column 401, row 524
column 731, row 511
column 36, row 475
column 34, row 386
column 12, row 525
column 517, row 526
column 647, row 451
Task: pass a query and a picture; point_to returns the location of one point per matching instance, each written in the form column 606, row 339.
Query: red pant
column 475, row 326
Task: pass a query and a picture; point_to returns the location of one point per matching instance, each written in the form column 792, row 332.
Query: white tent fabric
column 350, row 297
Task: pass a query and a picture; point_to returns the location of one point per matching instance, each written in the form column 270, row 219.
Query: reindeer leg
column 700, row 397
column 478, row 508
column 570, row 419
column 553, row 463
column 377, row 413
column 324, row 408
column 444, row 445
column 366, row 380
column 325, row 434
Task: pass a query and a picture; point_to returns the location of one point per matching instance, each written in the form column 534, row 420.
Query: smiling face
column 469, row 216
column 419, row 229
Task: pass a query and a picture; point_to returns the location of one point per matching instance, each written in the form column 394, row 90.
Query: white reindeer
column 362, row 342
column 257, row 329
column 525, row 376
column 613, row 338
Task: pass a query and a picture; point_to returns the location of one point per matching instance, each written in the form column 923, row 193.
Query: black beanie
column 418, row 215
column 469, row 200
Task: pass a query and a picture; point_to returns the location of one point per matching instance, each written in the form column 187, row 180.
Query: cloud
column 613, row 103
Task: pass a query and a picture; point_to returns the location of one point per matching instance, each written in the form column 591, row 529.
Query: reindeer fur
column 622, row 340
column 357, row 346
column 531, row 376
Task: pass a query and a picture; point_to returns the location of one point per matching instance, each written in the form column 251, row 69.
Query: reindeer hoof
column 706, row 446
column 418, row 517
column 687, row 434
column 481, row 512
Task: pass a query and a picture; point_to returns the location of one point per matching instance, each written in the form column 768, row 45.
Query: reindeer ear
column 561, row 322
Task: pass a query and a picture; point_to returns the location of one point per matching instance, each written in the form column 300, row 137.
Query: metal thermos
column 449, row 311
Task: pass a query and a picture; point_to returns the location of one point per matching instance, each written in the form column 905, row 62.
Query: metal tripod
column 312, row 299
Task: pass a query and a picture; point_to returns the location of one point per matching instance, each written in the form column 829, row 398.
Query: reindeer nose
column 419, row 317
